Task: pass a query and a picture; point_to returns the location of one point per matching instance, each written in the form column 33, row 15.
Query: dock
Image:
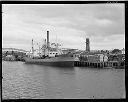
column 111, row 64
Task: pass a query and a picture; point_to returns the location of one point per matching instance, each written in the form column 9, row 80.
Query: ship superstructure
column 48, row 55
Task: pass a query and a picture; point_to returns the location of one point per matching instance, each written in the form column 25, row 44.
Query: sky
column 63, row 0
column 68, row 24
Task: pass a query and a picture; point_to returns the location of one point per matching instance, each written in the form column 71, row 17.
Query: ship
column 50, row 59
column 57, row 61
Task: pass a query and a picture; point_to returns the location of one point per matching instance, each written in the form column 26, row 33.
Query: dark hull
column 60, row 62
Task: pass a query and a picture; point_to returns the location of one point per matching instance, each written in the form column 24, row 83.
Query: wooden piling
column 98, row 64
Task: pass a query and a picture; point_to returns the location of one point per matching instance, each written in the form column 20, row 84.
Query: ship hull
column 60, row 62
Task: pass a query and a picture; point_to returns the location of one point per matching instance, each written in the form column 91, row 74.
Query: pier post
column 100, row 65
column 110, row 64
column 82, row 63
column 106, row 64
column 116, row 64
column 119, row 64
column 96, row 65
column 75, row 63
column 85, row 64
column 103, row 64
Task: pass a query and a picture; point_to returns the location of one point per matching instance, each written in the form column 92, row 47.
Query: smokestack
column 47, row 39
column 87, row 45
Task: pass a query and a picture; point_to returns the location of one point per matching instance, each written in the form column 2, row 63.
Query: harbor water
column 29, row 81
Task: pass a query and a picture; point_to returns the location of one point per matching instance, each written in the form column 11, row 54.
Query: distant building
column 91, row 56
column 9, row 58
column 123, row 51
column 67, row 50
column 116, row 57
column 97, row 58
column 77, row 54
column 87, row 45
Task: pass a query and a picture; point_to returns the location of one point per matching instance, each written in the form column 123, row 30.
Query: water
column 43, row 82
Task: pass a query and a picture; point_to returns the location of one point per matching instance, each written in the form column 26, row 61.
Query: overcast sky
column 63, row 0
column 68, row 24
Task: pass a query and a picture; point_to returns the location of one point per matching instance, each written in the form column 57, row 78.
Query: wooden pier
column 111, row 64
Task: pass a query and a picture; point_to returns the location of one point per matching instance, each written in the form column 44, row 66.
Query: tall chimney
column 48, row 39
column 87, row 45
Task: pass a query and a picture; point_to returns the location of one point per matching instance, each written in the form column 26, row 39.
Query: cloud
column 103, row 22
column 62, row 0
column 70, row 23
column 118, row 41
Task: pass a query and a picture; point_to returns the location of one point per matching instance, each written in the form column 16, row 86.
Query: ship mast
column 45, row 47
column 39, row 47
column 32, row 47
column 48, row 42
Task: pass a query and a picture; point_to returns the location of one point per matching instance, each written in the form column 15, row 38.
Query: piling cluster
column 109, row 64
